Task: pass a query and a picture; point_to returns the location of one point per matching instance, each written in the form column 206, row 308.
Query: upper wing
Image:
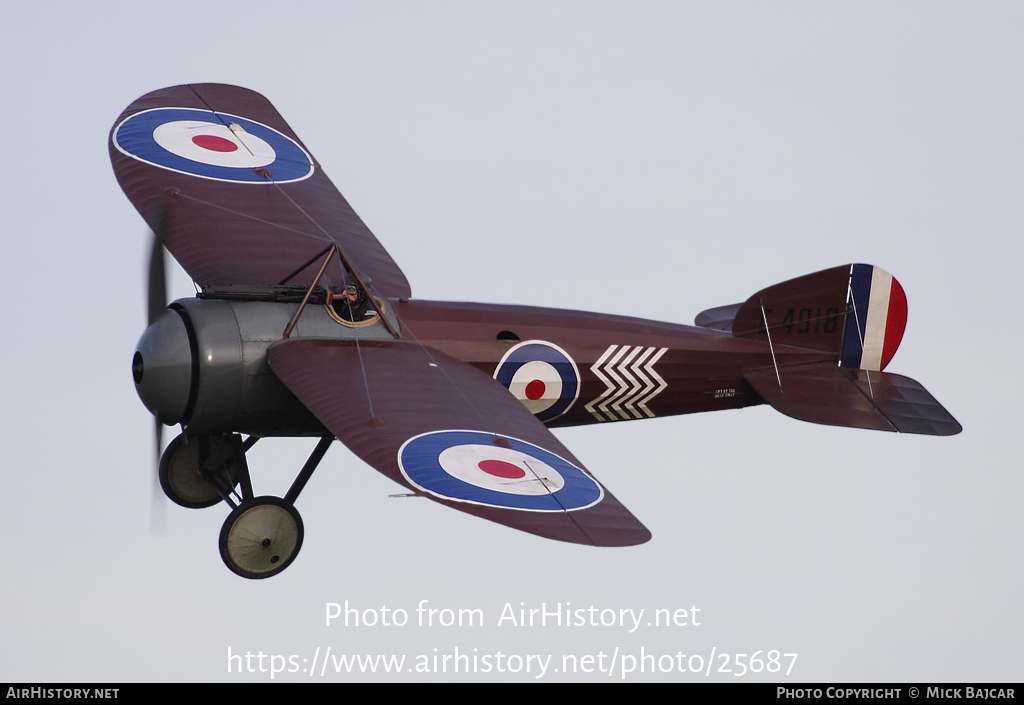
column 237, row 198
column 447, row 430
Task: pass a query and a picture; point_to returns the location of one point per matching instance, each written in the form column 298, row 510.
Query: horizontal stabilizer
column 840, row 396
column 719, row 318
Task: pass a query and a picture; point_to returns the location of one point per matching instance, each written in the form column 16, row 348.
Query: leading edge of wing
column 449, row 432
column 237, row 197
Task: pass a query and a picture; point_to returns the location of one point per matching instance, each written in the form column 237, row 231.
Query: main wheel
column 261, row 537
column 181, row 478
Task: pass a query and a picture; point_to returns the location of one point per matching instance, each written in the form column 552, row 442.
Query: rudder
column 876, row 318
column 856, row 311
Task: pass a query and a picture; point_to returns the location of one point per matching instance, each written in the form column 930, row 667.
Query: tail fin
column 857, row 311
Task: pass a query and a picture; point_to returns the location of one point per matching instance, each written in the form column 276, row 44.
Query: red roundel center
column 499, row 468
column 535, row 390
column 214, row 143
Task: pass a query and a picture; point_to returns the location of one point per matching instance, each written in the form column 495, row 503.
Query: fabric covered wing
column 448, row 431
column 237, row 198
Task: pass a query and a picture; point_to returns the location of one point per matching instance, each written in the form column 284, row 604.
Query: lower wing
column 450, row 432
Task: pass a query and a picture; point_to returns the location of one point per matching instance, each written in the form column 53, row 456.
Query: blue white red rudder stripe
column 875, row 320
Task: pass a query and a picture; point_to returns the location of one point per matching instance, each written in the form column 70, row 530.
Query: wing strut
column 312, row 287
column 329, row 251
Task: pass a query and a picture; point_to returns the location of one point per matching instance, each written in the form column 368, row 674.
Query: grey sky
column 547, row 154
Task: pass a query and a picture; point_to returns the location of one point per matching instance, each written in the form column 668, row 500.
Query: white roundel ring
column 500, row 469
column 542, row 376
column 467, row 466
column 212, row 145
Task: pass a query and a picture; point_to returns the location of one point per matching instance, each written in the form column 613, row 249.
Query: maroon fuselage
column 702, row 369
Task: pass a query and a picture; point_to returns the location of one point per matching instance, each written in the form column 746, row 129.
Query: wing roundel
column 236, row 195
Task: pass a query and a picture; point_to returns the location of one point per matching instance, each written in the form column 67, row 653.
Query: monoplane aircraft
column 303, row 325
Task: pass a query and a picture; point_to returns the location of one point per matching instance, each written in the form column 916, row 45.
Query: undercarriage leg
column 307, row 470
column 262, row 535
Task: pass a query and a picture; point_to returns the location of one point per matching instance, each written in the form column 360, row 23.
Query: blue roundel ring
column 466, row 466
column 286, row 162
column 542, row 376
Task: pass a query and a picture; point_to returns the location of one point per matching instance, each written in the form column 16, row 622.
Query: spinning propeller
column 156, row 286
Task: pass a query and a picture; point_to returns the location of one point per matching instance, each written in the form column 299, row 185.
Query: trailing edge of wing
column 449, row 432
column 840, row 396
column 239, row 198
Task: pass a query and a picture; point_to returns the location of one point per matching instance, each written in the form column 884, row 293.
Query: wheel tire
column 181, row 479
column 261, row 537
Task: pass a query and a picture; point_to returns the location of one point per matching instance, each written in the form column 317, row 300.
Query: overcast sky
column 548, row 154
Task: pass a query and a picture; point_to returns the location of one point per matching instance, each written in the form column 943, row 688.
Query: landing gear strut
column 262, row 535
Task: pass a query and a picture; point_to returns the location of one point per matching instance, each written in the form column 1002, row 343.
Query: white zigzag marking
column 615, row 403
column 630, row 381
column 596, row 369
column 647, row 383
column 642, row 403
column 633, row 386
column 610, row 369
